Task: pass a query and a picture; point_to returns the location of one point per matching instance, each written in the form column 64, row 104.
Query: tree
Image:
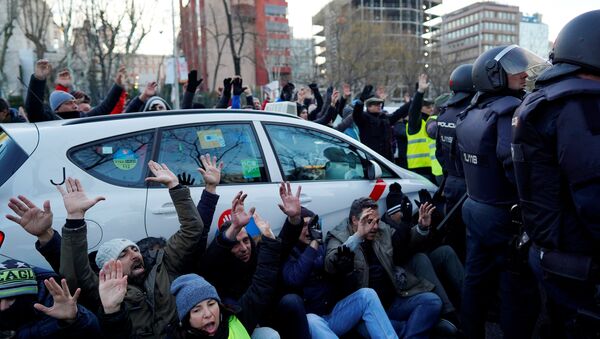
column 34, row 20
column 237, row 35
column 64, row 10
column 220, row 40
column 8, row 27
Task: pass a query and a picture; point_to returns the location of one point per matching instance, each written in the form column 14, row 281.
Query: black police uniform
column 556, row 143
column 484, row 136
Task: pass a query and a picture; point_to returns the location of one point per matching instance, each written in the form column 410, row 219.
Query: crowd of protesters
column 399, row 274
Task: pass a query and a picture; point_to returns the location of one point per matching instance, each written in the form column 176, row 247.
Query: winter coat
column 42, row 326
column 149, row 309
column 375, row 130
column 383, row 246
column 36, row 111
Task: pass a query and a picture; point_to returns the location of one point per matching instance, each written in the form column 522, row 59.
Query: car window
column 118, row 160
column 11, row 157
column 234, row 144
column 307, row 154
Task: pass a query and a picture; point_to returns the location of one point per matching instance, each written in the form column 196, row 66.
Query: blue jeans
column 489, row 231
column 363, row 305
column 415, row 316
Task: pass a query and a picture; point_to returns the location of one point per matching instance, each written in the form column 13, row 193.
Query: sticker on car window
column 212, row 138
column 250, row 168
column 125, row 159
column 107, row 150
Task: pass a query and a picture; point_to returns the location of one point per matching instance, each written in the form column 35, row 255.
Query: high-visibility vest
column 436, row 168
column 236, row 329
column 417, row 150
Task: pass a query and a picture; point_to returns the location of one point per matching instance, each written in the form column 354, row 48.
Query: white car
column 109, row 154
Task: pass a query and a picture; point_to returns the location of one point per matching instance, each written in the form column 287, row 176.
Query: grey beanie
column 57, row 98
column 111, row 250
column 189, row 290
column 155, row 100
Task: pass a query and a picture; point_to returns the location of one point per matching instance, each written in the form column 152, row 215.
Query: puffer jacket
column 383, row 246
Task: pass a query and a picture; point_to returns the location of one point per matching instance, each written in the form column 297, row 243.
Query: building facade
column 469, row 31
column 533, row 34
column 302, row 61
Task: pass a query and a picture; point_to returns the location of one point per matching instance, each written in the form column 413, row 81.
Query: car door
column 234, row 143
column 332, row 171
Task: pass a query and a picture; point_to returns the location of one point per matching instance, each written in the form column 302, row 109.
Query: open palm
column 112, row 286
column 65, row 305
column 211, row 171
column 162, row 174
column 239, row 216
column 290, row 203
column 33, row 220
column 75, row 200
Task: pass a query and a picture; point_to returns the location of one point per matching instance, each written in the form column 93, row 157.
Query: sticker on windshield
column 212, row 138
column 107, row 150
column 250, row 168
column 125, row 159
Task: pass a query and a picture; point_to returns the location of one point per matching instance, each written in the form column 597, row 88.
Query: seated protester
column 148, row 101
column 202, row 312
column 8, row 114
column 63, row 105
column 230, row 263
column 329, row 316
column 442, row 261
column 148, row 307
column 34, row 305
column 367, row 245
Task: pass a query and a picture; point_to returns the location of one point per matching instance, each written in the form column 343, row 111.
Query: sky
column 555, row 13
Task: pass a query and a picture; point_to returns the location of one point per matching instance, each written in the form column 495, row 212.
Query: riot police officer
column 462, row 88
column 557, row 163
column 484, row 135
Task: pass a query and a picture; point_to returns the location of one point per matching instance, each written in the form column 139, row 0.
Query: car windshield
column 11, row 156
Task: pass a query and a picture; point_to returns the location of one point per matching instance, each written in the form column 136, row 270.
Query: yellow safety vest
column 236, row 329
column 436, row 168
column 417, row 151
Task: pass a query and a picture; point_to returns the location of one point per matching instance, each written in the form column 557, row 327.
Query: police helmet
column 461, row 83
column 577, row 46
column 491, row 68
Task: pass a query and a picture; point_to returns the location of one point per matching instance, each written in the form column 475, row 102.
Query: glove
column 237, row 86
column 313, row 87
column 406, row 210
column 366, row 93
column 186, row 179
column 344, row 260
column 193, row 81
column 314, row 230
column 424, row 196
column 227, row 87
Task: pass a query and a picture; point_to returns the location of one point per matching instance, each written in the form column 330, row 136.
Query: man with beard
column 34, row 305
column 149, row 307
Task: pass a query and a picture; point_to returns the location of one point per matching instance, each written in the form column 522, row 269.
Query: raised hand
column 186, row 179
column 423, row 84
column 162, row 175
column 75, row 200
column 366, row 93
column 43, row 68
column 290, row 203
column 211, row 172
column 64, row 78
column 193, row 81
column 33, row 220
column 335, row 97
column 346, row 90
column 112, row 286
column 237, row 85
column 366, row 222
column 425, row 211
column 120, row 77
column 149, row 91
column 239, row 216
column 227, row 87
column 65, row 304
column 263, row 226
column 381, row 94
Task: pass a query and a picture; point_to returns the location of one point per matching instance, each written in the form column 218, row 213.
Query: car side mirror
column 1, row 238
column 374, row 171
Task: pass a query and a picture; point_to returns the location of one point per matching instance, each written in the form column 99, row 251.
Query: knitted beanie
column 16, row 278
column 111, row 250
column 57, row 98
column 189, row 290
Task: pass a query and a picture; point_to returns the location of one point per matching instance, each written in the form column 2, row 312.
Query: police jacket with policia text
column 147, row 310
column 383, row 246
column 557, row 161
column 484, row 136
column 36, row 324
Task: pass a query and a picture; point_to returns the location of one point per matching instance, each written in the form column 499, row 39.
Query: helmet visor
column 515, row 60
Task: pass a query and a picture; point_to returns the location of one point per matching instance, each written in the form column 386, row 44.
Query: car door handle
column 167, row 208
column 305, row 199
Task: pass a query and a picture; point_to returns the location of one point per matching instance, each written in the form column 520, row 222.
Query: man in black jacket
column 62, row 104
